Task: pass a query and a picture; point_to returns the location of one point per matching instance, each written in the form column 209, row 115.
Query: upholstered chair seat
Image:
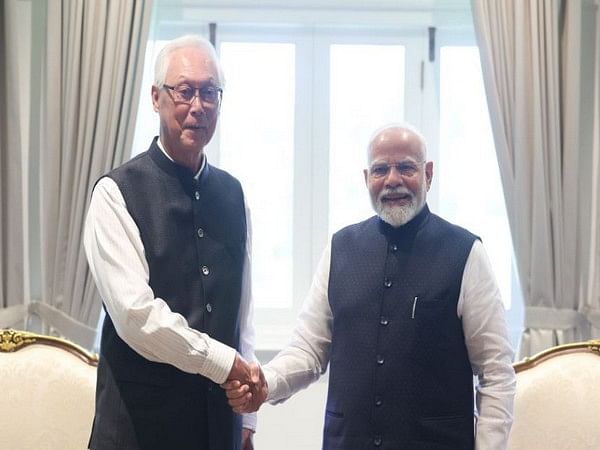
column 48, row 386
column 557, row 405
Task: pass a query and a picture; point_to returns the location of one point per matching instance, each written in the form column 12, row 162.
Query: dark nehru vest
column 194, row 237
column 400, row 376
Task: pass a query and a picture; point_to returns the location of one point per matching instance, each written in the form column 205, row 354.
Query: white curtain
column 12, row 248
column 531, row 58
column 92, row 70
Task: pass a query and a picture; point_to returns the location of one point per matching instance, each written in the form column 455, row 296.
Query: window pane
column 469, row 178
column 147, row 121
column 366, row 91
column 256, row 146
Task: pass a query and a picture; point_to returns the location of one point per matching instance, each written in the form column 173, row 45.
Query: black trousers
column 189, row 413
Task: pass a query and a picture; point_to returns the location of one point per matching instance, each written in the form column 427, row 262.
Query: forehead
column 396, row 145
column 191, row 64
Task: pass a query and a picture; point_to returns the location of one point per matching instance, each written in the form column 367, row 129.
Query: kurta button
column 377, row 441
column 383, row 321
column 380, row 360
column 205, row 270
column 387, row 283
column 378, row 401
column 209, row 307
column 197, row 195
column 200, row 233
column 393, row 248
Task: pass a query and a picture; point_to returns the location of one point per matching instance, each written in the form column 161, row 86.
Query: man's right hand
column 246, row 387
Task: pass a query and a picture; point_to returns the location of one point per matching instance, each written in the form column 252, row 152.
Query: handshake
column 246, row 387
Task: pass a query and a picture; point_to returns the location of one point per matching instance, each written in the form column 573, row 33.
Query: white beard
column 396, row 216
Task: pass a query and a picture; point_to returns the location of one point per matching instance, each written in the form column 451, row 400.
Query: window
column 470, row 189
column 257, row 145
column 300, row 103
column 366, row 90
column 299, row 108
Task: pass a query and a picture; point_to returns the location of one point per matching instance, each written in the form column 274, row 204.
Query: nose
column 196, row 106
column 393, row 178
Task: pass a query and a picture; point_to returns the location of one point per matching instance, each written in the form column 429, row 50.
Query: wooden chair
column 48, row 387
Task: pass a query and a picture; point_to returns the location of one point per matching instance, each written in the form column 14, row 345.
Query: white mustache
column 396, row 191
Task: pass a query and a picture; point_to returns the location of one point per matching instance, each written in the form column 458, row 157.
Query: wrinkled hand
column 240, row 371
column 246, row 387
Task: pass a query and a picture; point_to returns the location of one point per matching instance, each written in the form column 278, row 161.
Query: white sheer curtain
column 92, row 70
column 12, row 249
column 531, row 59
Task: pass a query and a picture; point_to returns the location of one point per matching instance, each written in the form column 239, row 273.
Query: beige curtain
column 592, row 306
column 531, row 60
column 12, row 249
column 93, row 67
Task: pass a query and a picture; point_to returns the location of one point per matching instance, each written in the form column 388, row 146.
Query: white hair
column 187, row 41
column 398, row 126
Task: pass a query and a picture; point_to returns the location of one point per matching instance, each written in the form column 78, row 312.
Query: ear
column 428, row 173
column 155, row 92
column 366, row 174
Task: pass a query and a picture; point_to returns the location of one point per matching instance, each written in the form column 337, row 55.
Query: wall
column 296, row 424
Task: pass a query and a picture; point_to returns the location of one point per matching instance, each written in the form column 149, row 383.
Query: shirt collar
column 202, row 164
column 409, row 229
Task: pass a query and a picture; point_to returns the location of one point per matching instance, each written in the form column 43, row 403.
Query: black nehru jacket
column 194, row 237
column 400, row 376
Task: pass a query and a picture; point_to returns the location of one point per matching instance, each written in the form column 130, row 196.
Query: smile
column 396, row 198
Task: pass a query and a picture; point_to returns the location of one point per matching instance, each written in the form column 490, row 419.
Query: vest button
column 393, row 248
column 208, row 307
column 377, row 441
column 200, row 233
column 197, row 195
column 380, row 360
column 378, row 401
column 205, row 270
column 387, row 283
column 383, row 321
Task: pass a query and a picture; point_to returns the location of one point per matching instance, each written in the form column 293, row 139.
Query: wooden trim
column 592, row 346
column 14, row 340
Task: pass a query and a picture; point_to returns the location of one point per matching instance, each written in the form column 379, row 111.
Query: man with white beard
column 405, row 309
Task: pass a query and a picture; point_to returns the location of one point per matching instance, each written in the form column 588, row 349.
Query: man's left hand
column 247, row 443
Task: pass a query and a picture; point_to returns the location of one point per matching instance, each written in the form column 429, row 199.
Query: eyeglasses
column 208, row 95
column 407, row 169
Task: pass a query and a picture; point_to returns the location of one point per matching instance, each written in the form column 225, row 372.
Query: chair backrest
column 557, row 404
column 47, row 389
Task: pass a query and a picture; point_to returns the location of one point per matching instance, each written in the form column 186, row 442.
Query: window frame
column 311, row 155
column 311, row 140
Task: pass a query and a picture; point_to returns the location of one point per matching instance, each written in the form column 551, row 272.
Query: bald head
column 398, row 136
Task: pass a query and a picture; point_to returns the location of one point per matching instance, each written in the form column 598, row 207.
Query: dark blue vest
column 400, row 376
column 194, row 237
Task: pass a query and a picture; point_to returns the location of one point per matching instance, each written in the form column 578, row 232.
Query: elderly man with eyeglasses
column 167, row 238
column 405, row 310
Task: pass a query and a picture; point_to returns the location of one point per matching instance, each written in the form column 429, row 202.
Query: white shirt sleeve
column 306, row 357
column 484, row 327
column 116, row 258
column 247, row 333
column 489, row 348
